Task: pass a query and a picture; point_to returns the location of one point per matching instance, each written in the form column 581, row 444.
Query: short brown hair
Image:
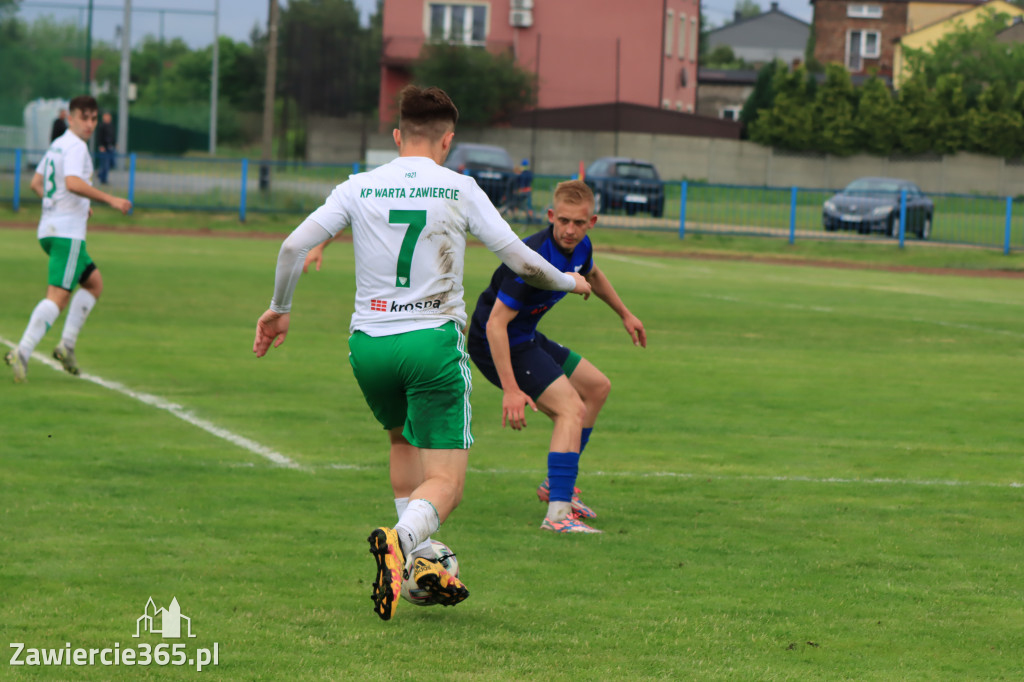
column 574, row 192
column 84, row 103
column 426, row 112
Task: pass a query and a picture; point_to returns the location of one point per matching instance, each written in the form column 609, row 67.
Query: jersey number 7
column 416, row 220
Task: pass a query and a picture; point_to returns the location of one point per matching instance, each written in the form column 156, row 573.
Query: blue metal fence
column 205, row 184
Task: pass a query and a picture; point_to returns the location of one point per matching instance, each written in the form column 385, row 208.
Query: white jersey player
column 63, row 180
column 409, row 222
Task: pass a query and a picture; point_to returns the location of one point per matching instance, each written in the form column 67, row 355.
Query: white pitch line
column 634, row 261
column 717, row 477
column 177, row 410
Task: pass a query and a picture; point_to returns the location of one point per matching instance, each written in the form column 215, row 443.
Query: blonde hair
column 574, row 192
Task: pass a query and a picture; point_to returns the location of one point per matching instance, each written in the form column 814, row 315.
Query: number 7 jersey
column 409, row 221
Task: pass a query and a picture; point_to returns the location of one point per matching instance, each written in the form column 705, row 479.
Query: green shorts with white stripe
column 418, row 380
column 69, row 261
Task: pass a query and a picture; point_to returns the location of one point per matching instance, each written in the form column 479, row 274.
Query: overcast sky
column 192, row 20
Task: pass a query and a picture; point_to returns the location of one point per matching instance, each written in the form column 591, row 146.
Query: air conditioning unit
column 521, row 18
column 522, row 4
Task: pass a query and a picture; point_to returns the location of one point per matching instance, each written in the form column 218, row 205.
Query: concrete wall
column 720, row 161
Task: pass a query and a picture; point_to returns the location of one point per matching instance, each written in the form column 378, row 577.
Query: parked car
column 489, row 165
column 627, row 184
column 873, row 205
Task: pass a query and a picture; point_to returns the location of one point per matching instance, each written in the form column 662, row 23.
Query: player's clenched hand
column 122, row 205
column 582, row 285
column 636, row 330
column 270, row 328
column 513, row 408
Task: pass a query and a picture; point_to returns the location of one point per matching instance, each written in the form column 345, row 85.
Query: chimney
column 775, row 7
column 736, row 16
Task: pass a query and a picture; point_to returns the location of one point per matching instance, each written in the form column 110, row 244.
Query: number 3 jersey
column 409, row 221
column 65, row 213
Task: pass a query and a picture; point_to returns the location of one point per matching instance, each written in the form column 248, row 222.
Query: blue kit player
column 532, row 370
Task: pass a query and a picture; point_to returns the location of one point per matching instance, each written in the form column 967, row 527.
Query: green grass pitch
column 809, row 474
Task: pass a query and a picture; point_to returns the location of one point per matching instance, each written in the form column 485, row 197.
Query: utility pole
column 268, row 98
column 88, row 52
column 215, row 77
column 122, row 91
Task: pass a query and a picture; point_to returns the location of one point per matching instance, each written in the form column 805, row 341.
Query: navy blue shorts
column 536, row 364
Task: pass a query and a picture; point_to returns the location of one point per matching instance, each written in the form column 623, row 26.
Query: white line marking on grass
column 780, row 479
column 177, row 410
column 918, row 320
column 634, row 261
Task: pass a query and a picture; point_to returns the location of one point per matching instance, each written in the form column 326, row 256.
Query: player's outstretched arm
column 537, row 272
column 84, row 189
column 513, row 400
column 604, row 290
column 37, row 185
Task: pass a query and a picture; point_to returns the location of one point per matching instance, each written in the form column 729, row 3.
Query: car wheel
column 926, row 228
column 894, row 227
column 658, row 210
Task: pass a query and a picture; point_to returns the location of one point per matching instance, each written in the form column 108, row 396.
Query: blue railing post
column 903, row 216
column 683, row 187
column 355, row 168
column 1009, row 219
column 792, row 214
column 131, row 180
column 17, row 180
column 244, row 192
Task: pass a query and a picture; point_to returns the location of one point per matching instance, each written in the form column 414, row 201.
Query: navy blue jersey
column 530, row 302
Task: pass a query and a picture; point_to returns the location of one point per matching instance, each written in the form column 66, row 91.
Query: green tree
column 747, row 9
column 834, row 106
column 916, row 104
column 762, row 97
column 948, row 124
column 489, row 88
column 789, row 123
column 328, row 63
column 994, row 126
column 37, row 61
column 972, row 53
column 723, row 57
column 878, row 118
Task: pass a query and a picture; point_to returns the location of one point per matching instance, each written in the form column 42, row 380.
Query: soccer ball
column 446, row 557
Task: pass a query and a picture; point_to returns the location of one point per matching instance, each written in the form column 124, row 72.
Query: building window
column 861, row 45
column 668, row 33
column 682, row 36
column 453, row 23
column 864, row 11
column 693, row 38
column 731, row 113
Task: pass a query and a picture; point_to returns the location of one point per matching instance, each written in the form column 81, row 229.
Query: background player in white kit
column 63, row 180
column 409, row 220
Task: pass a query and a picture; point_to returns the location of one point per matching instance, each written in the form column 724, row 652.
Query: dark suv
column 489, row 165
column 627, row 184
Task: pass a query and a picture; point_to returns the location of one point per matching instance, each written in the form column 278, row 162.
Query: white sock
column 417, row 522
column 43, row 317
column 558, row 510
column 81, row 305
column 425, row 549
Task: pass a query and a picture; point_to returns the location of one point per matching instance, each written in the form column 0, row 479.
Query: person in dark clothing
column 105, row 147
column 60, row 125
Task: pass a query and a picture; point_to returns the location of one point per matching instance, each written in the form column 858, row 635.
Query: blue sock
column 585, row 438
column 562, row 470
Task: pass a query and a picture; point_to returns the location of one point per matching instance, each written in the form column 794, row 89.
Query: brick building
column 858, row 35
column 584, row 52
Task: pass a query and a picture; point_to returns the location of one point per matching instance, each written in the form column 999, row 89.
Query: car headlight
column 881, row 211
column 830, row 207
